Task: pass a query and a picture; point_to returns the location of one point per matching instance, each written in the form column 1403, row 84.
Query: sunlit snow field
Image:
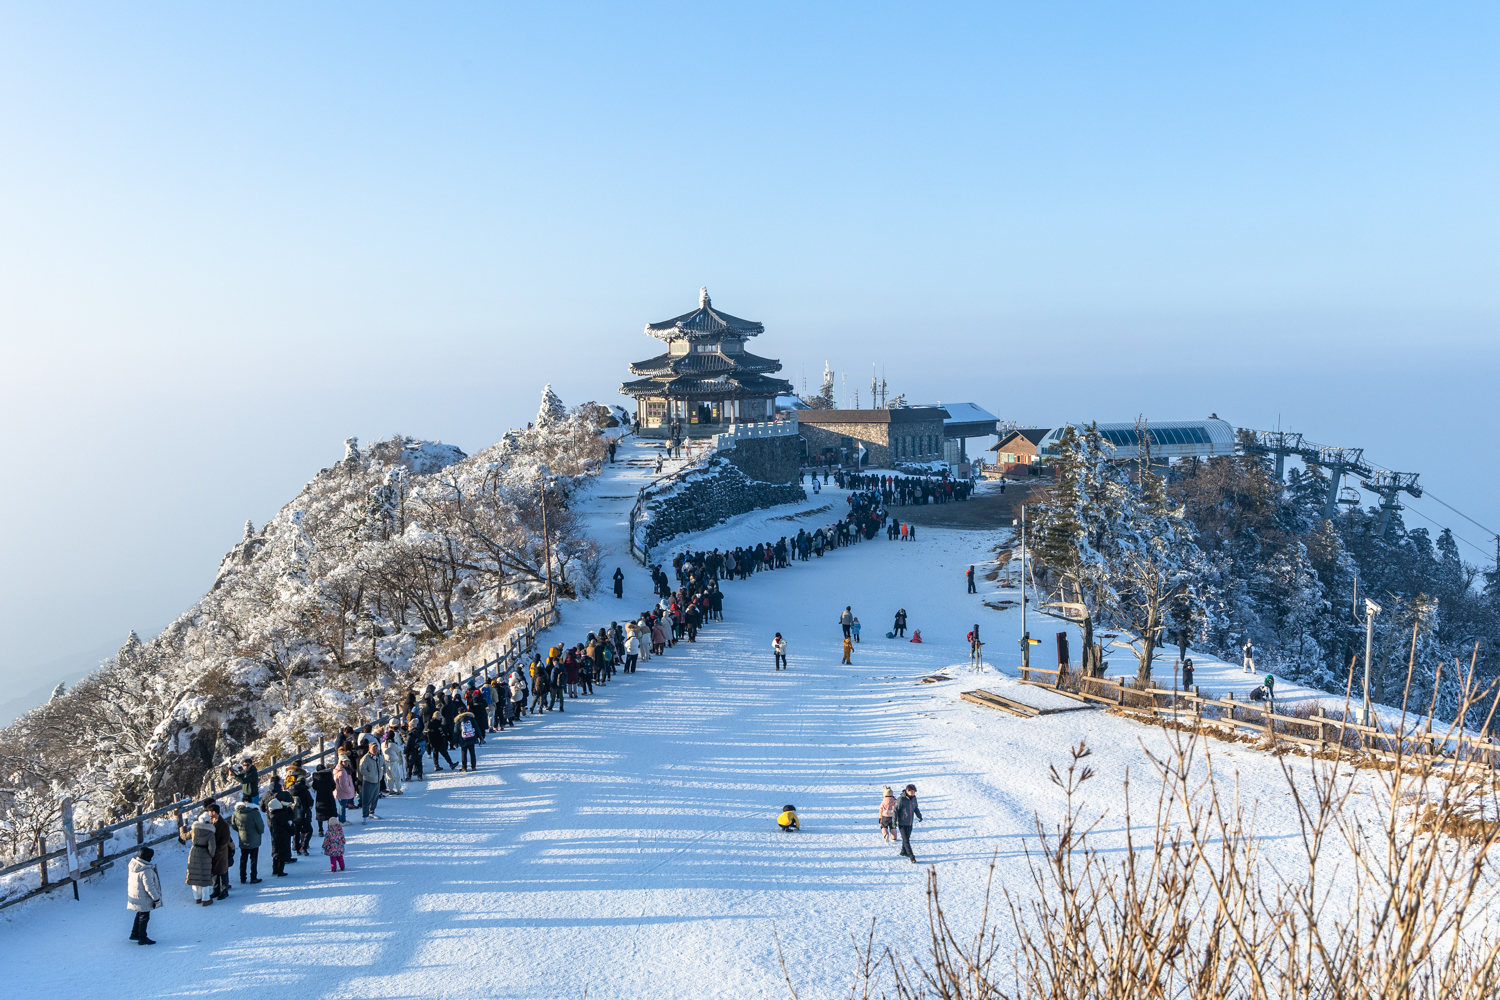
column 628, row 847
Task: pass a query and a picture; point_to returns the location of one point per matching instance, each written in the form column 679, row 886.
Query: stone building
column 889, row 437
column 706, row 381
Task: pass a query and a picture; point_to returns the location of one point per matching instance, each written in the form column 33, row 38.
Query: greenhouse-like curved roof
column 1168, row 439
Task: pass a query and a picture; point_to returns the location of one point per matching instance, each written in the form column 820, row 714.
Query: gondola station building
column 706, row 380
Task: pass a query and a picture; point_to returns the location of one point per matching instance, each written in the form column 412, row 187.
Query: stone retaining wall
column 768, row 459
column 709, row 497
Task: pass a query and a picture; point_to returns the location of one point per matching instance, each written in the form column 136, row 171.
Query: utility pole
column 547, row 550
column 1025, row 635
column 1371, row 610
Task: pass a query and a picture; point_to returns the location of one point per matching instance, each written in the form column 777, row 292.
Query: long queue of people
column 902, row 491
column 379, row 760
column 866, row 518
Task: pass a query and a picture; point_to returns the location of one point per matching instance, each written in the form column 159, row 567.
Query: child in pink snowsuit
column 333, row 845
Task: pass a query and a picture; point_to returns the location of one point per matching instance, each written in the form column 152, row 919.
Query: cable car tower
column 1338, row 462
column 1388, row 485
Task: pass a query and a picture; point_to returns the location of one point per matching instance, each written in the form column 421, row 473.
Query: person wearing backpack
column 556, row 684
column 468, row 734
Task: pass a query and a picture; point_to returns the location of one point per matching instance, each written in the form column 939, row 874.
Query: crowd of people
column 378, row 760
column 901, row 491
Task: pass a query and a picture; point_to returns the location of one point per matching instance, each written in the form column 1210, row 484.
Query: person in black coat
column 279, row 807
column 302, row 809
column 414, row 754
column 324, row 805
column 900, row 628
column 906, row 809
column 619, row 582
column 437, row 741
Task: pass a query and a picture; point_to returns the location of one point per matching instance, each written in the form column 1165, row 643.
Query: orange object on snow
column 916, row 635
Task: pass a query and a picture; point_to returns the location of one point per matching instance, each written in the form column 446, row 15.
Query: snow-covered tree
column 379, row 562
column 552, row 409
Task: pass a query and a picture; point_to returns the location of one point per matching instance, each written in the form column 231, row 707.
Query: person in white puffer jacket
column 778, row 649
column 142, row 893
column 632, row 649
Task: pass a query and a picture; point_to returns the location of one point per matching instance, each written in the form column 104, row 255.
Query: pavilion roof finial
column 703, row 299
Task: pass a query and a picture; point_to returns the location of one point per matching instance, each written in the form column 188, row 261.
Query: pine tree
column 824, row 400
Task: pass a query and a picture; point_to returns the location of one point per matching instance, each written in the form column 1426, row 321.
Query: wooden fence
column 1318, row 730
column 518, row 643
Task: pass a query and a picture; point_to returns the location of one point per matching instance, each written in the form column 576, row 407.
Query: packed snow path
column 627, row 847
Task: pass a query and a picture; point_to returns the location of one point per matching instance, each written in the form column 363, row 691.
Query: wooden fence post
column 140, row 827
column 41, row 853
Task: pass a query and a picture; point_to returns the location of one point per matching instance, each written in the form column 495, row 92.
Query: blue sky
column 235, row 236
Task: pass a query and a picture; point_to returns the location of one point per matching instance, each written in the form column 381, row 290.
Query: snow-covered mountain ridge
column 383, row 565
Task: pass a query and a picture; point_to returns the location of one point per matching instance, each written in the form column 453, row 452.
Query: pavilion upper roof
column 705, row 321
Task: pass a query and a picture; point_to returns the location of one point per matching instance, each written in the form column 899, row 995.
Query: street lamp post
column 547, row 550
column 1025, row 635
column 1371, row 610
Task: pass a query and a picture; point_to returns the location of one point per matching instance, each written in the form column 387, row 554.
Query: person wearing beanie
column 142, row 893
column 333, row 845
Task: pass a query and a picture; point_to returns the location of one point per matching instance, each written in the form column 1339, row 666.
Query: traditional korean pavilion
column 706, row 380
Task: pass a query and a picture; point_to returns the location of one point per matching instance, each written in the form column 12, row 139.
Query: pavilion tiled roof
column 699, row 364
column 708, row 386
column 702, row 322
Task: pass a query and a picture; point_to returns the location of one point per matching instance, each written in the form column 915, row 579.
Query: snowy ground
column 627, row 848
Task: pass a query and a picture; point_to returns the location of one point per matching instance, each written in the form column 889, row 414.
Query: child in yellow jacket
column 848, row 649
column 788, row 819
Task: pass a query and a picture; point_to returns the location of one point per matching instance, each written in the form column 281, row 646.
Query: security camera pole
column 1025, row 635
column 1371, row 610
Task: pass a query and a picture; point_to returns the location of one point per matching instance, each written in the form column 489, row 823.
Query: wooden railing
column 519, row 642
column 1324, row 733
